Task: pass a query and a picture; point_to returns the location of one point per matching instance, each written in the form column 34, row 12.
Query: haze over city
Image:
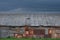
column 21, row 7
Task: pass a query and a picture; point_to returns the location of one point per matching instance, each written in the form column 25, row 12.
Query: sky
column 26, row 6
column 29, row 5
column 35, row 20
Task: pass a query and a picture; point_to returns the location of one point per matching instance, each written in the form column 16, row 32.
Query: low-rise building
column 30, row 31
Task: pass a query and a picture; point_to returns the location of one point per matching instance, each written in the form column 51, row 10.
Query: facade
column 30, row 31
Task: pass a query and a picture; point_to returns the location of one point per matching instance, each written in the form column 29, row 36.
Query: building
column 30, row 31
column 14, row 25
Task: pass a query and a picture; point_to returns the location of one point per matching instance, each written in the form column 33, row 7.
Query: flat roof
column 30, row 26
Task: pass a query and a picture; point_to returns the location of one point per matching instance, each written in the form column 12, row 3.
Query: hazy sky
column 30, row 5
column 23, row 6
column 35, row 20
